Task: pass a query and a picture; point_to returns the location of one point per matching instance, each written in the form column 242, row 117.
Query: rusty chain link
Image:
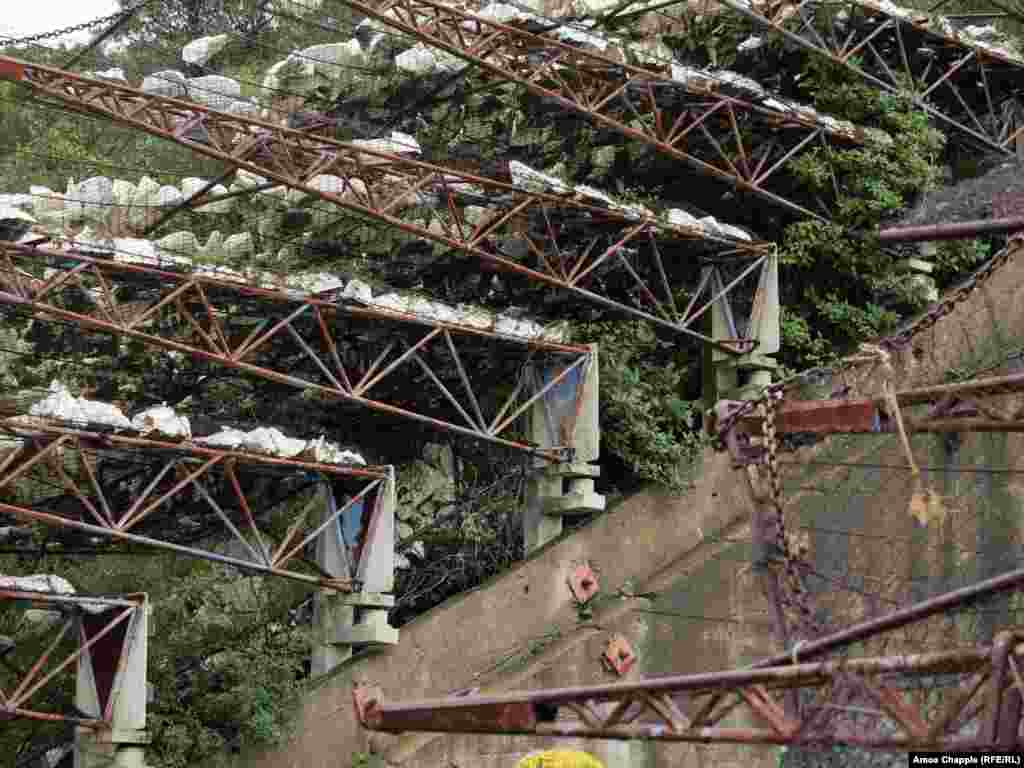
column 896, row 341
column 28, row 40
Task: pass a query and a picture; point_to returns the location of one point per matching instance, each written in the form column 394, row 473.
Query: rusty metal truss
column 743, row 140
column 444, row 375
column 970, row 406
column 964, row 84
column 875, row 703
column 850, row 702
column 179, row 496
column 101, row 632
column 379, row 187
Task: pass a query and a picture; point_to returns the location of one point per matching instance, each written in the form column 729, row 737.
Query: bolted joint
column 583, row 584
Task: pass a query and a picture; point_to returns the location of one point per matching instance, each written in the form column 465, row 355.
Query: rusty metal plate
column 583, row 584
column 618, row 655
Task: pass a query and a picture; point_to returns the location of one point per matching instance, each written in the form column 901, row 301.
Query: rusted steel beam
column 624, row 710
column 960, row 230
column 19, row 689
column 859, row 416
column 631, row 99
column 180, row 471
column 315, row 323
column 380, row 186
column 960, row 82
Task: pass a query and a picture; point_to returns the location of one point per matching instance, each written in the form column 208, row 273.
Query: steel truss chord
column 863, row 709
column 744, row 141
column 107, row 623
column 449, row 376
column 969, row 406
column 380, row 186
column 175, row 481
column 963, row 83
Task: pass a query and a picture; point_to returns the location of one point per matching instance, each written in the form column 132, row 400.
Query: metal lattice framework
column 379, row 186
column 955, row 700
column 360, row 355
column 92, row 621
column 966, row 85
column 694, row 708
column 745, row 141
column 169, row 481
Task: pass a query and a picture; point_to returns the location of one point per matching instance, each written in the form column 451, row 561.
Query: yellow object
column 559, row 758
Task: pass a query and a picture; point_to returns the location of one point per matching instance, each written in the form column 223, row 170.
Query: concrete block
column 373, row 629
column 581, row 503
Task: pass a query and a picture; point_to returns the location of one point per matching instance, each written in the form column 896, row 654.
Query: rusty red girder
column 380, row 186
column 112, row 618
column 703, row 126
column 176, row 474
column 956, row 231
column 867, row 712
column 961, row 407
column 208, row 324
column 965, row 85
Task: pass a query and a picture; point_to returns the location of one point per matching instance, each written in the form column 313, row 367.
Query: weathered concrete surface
column 520, row 631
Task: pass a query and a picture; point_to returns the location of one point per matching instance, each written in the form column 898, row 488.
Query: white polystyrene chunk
column 40, row 582
column 10, row 213
column 751, row 43
column 61, row 405
column 272, row 441
column 166, row 83
column 399, row 144
column 114, row 73
column 323, row 451
column 421, row 60
column 534, row 180
column 214, row 91
column 228, row 438
column 203, row 49
column 503, row 13
column 162, row 420
column 130, row 250
column 318, row 283
column 357, row 289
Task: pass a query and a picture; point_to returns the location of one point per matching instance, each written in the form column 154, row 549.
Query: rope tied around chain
column 883, row 364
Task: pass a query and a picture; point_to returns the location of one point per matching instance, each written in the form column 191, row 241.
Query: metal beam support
column 330, row 335
column 961, row 407
column 958, row 231
column 111, row 681
column 632, row 99
column 967, row 86
column 379, row 186
column 100, row 623
column 180, row 475
column 567, row 415
column 694, row 708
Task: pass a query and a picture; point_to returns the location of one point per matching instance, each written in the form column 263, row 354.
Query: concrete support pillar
column 113, row 674
column 560, row 418
column 361, row 545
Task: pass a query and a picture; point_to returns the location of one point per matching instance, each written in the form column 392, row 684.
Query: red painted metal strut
column 196, row 318
column 176, row 474
column 380, row 186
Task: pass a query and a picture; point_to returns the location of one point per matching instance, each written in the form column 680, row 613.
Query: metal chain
column 897, row 341
column 11, row 41
column 950, row 302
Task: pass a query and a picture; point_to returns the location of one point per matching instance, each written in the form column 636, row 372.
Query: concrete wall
column 521, row 630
